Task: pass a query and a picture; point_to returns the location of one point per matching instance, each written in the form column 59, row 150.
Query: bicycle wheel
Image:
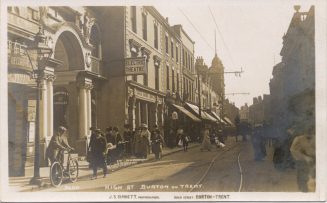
column 73, row 170
column 56, row 174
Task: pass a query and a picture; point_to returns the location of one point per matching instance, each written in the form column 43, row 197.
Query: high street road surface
column 229, row 169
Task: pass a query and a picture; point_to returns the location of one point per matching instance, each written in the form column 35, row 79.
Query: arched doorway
column 66, row 97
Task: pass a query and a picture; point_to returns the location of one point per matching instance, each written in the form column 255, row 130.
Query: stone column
column 138, row 113
column 146, row 108
column 133, row 103
column 84, row 85
column 43, row 110
column 156, row 113
column 89, row 110
column 45, row 113
column 50, row 106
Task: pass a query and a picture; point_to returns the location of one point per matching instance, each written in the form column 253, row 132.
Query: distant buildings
column 244, row 113
column 259, row 111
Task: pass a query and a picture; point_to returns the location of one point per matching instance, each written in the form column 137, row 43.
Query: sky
column 249, row 37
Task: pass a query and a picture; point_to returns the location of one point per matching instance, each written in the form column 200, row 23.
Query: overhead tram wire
column 221, row 36
column 196, row 29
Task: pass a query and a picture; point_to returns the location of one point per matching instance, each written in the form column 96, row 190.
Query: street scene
column 157, row 99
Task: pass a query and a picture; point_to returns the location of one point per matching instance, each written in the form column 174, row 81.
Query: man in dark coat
column 98, row 147
column 128, row 137
column 58, row 143
column 156, row 141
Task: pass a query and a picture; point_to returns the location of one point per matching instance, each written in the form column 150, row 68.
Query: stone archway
column 69, row 51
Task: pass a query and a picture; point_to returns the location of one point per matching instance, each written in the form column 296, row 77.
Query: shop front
column 145, row 105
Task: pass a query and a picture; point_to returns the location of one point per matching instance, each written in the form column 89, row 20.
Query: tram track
column 212, row 163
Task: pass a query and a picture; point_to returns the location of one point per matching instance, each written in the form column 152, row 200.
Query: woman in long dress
column 206, row 140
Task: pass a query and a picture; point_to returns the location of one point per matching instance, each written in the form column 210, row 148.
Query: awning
column 187, row 113
column 218, row 118
column 204, row 115
column 228, row 121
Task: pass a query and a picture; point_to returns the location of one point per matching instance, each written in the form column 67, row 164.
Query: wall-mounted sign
column 60, row 97
column 135, row 66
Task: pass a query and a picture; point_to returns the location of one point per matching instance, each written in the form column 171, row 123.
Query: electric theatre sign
column 135, row 66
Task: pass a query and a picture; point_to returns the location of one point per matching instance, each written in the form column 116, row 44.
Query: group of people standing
column 107, row 148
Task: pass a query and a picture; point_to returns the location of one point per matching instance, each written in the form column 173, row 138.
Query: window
column 167, row 77
column 183, row 57
column 177, row 82
column 33, row 14
column 176, row 54
column 189, row 61
column 166, row 42
column 156, row 77
column 173, row 79
column 133, row 18
column 144, row 26
column 172, row 49
column 156, row 36
column 145, row 76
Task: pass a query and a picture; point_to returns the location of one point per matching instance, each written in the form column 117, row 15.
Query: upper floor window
column 156, row 41
column 144, row 26
column 172, row 49
column 183, row 58
column 33, row 14
column 167, row 77
column 176, row 54
column 166, row 43
column 133, row 18
column 173, row 79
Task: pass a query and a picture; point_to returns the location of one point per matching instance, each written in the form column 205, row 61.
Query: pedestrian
column 303, row 151
column 183, row 137
column 257, row 142
column 205, row 140
column 145, row 141
column 157, row 142
column 137, row 142
column 109, row 136
column 110, row 145
column 128, row 137
column 98, row 147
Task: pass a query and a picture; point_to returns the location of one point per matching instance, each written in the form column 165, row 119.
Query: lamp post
column 41, row 53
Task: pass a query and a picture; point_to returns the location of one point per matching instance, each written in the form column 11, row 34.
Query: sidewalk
column 21, row 184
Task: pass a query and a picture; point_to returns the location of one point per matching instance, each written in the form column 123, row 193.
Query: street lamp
column 38, row 54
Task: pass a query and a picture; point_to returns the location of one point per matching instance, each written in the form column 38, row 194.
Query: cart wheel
column 56, row 174
column 73, row 170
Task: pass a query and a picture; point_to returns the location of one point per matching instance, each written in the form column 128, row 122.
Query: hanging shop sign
column 135, row 66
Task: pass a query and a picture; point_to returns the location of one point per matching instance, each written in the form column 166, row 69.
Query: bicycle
column 58, row 171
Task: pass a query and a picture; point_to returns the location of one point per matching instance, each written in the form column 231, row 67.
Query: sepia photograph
column 163, row 100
